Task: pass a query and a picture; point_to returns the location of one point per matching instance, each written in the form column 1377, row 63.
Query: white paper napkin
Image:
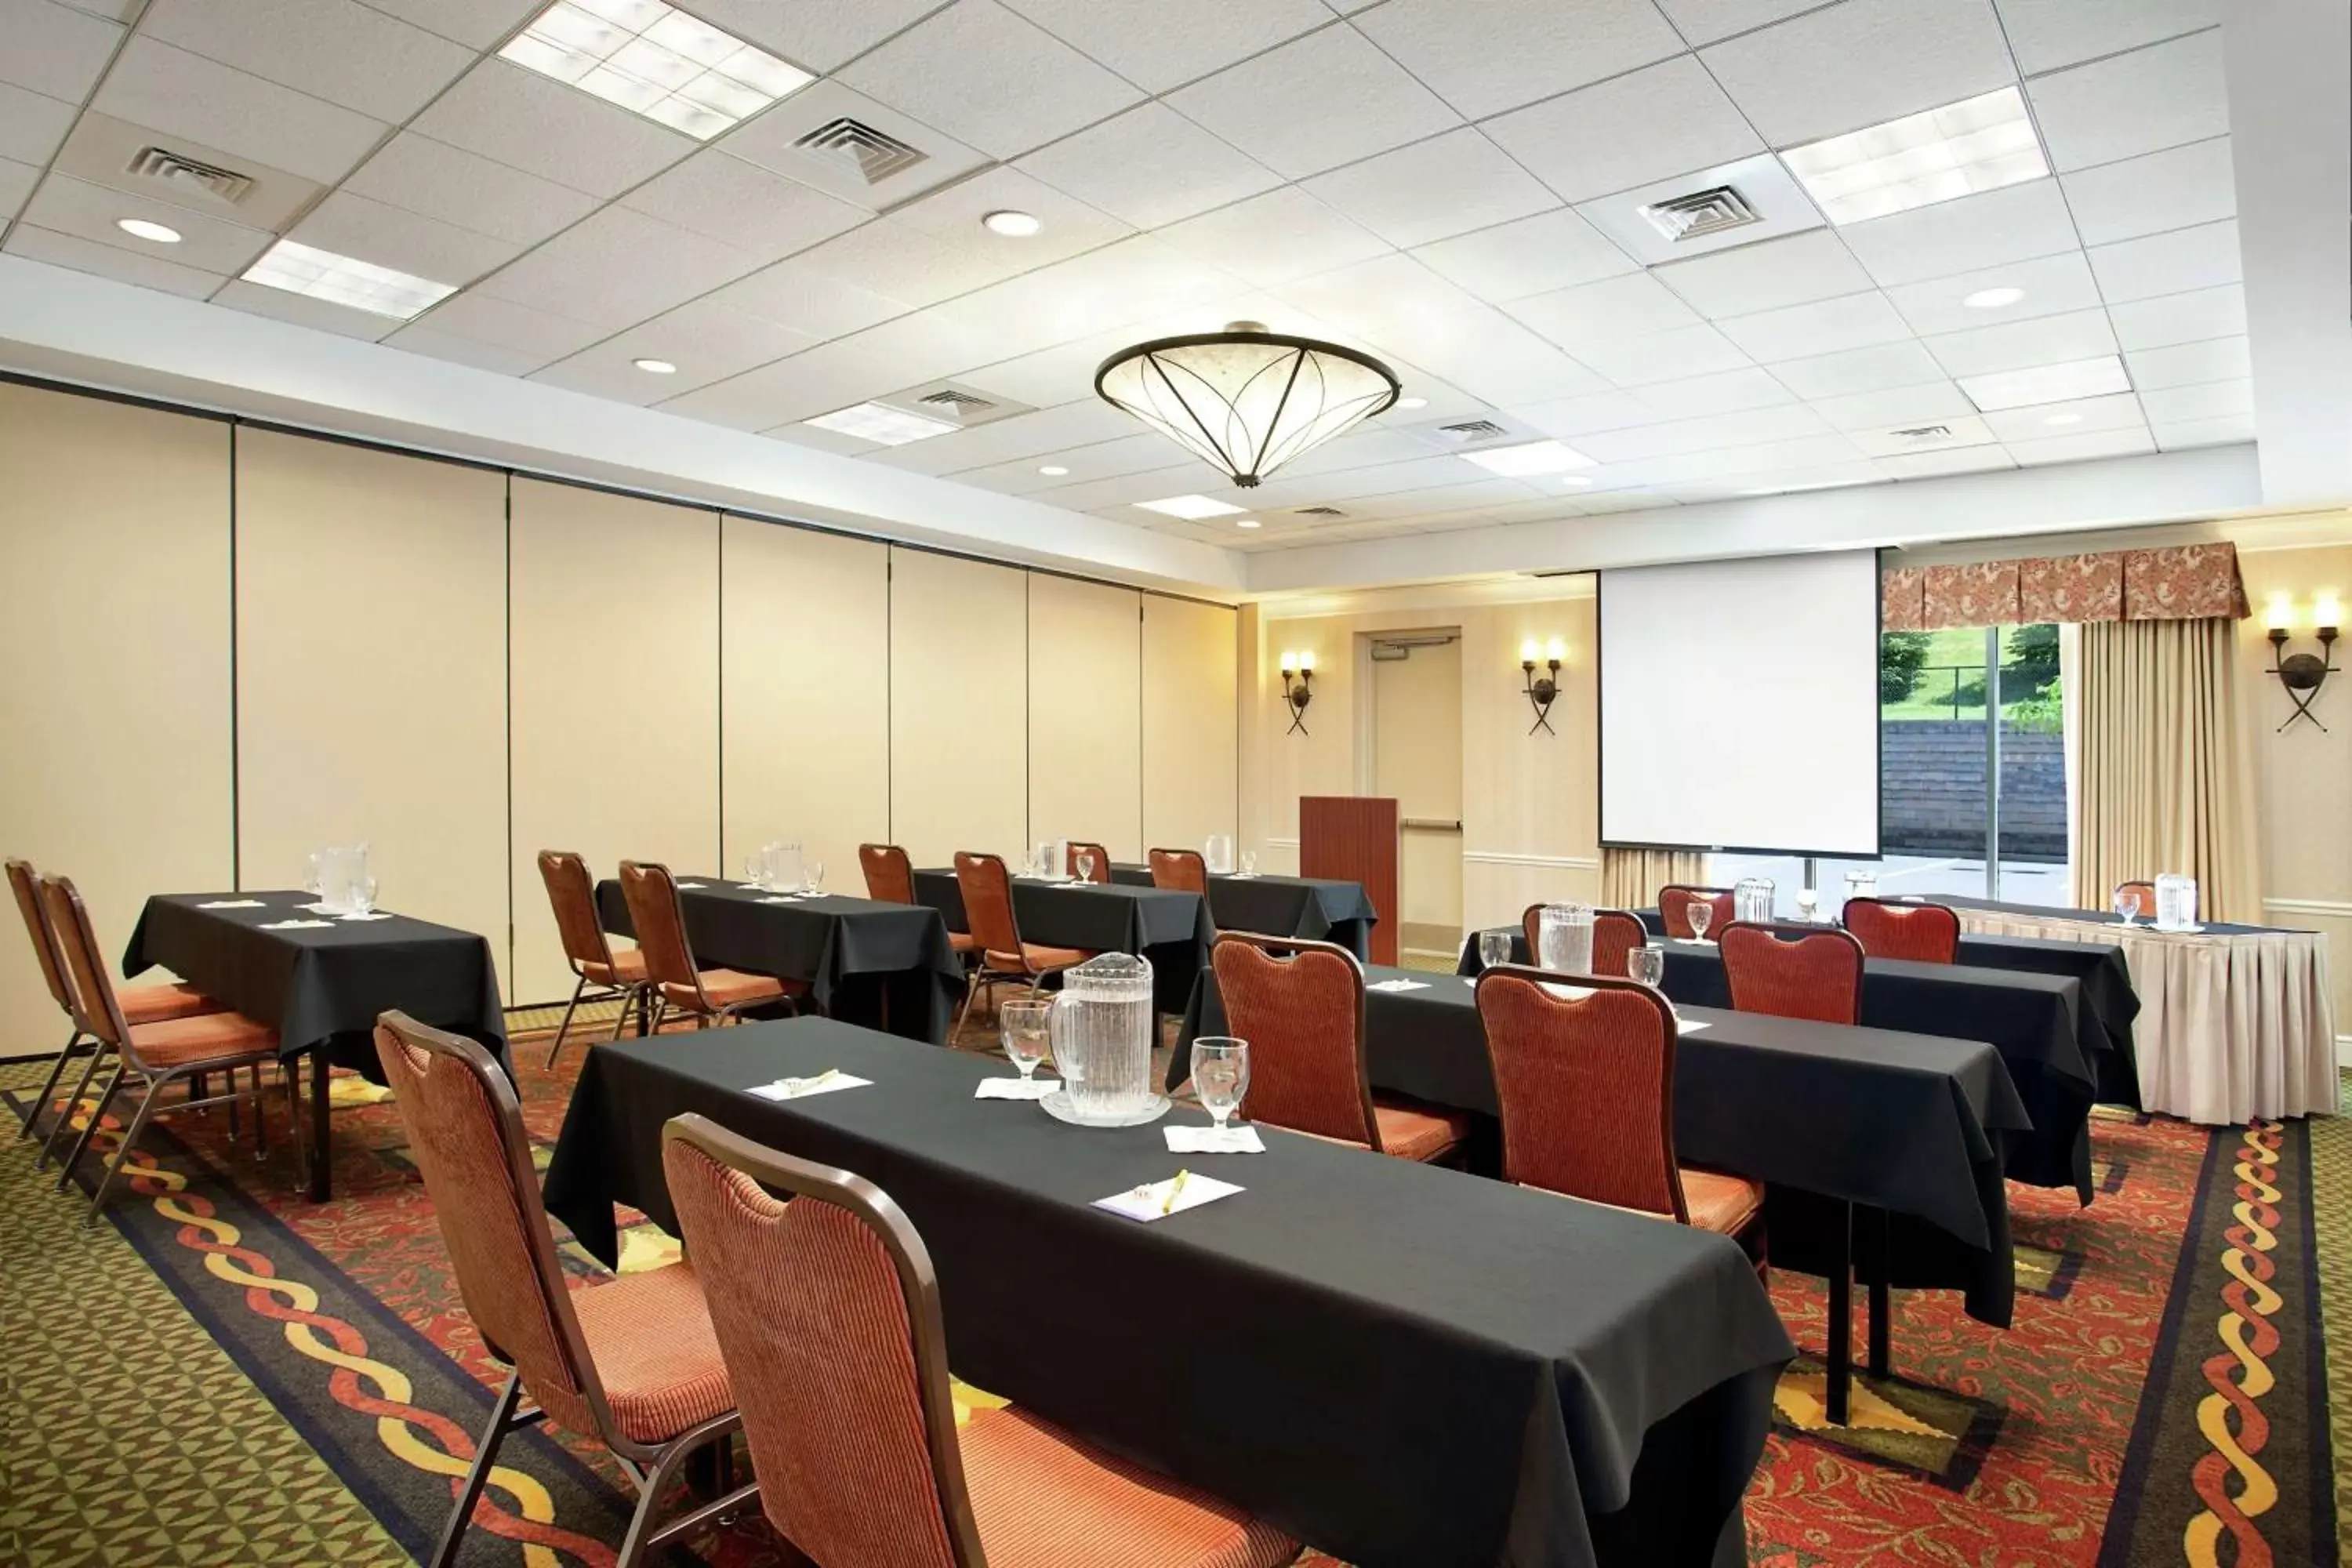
column 297, row 925
column 784, row 899
column 323, row 909
column 1692, row 1026
column 691, row 887
column 1690, row 942
column 1241, row 876
column 233, row 904
column 1158, row 1200
column 1398, row 986
column 1213, row 1140
column 1016, row 1088
column 372, row 915
column 825, row 1082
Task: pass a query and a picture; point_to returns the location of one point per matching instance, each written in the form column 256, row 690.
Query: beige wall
column 804, row 678
column 371, row 672
column 1085, row 713
column 114, row 544
column 1189, row 736
column 959, row 706
column 614, row 651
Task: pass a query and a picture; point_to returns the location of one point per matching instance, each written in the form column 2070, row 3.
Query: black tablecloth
column 1909, row 1123
column 1400, row 1364
column 1169, row 928
column 2109, row 1002
column 1318, row 908
column 885, row 965
column 323, row 985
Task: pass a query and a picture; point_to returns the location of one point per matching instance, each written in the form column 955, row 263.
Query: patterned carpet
column 227, row 1374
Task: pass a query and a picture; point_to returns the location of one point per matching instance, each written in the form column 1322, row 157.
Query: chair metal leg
column 49, row 1145
column 970, row 995
column 642, row 1536
column 569, row 1008
column 260, row 1115
column 89, row 1127
column 289, row 1069
column 1841, row 1347
column 633, row 1001
column 486, row 1453
column 56, row 1071
column 123, row 1151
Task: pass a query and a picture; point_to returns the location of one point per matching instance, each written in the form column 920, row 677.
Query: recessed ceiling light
column 1412, row 402
column 1053, row 470
column 1244, row 523
column 656, row 61
column 656, row 366
column 1191, row 508
column 884, row 426
column 140, row 228
column 1011, row 225
column 346, row 281
column 2046, row 383
column 2064, row 419
column 1978, row 144
column 1530, row 458
column 1993, row 299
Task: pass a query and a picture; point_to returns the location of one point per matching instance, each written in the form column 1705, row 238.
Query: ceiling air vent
column 1319, row 511
column 1701, row 212
column 1924, row 432
column 874, row 155
column 1474, row 430
column 958, row 404
column 188, row 177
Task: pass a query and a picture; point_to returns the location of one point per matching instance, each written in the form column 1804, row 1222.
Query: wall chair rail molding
column 1540, row 862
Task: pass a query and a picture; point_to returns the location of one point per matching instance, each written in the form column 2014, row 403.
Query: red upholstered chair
column 1807, row 973
column 612, row 972
column 2143, row 899
column 158, row 1054
column 1101, row 860
column 1003, row 957
column 632, row 1363
column 1300, row 1005
column 1586, row 1088
column 709, row 995
column 890, row 879
column 1615, row 933
column 139, row 1004
column 1179, row 870
column 1928, row 932
column 827, row 1309
column 1674, row 907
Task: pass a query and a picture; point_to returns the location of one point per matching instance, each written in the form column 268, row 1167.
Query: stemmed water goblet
column 1700, row 912
column 1220, row 1075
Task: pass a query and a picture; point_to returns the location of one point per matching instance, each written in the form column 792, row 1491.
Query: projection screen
column 1739, row 705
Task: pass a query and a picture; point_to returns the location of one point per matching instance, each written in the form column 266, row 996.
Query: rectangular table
column 2235, row 1022
column 1316, row 909
column 2110, row 1002
column 1402, row 1365
column 321, row 987
column 888, row 965
column 1170, row 928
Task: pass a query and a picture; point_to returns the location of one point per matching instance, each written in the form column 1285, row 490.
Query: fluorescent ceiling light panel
column 1978, row 144
column 346, row 281
column 2046, row 383
column 656, row 61
column 884, row 426
column 1191, row 508
column 1533, row 457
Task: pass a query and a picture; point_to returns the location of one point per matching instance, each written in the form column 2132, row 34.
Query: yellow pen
column 1168, row 1204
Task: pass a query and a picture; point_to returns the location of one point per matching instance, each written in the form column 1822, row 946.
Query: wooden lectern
column 1353, row 839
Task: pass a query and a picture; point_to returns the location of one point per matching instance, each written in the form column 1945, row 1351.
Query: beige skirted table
column 2235, row 1022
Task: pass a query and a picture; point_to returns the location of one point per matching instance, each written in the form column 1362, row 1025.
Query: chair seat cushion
column 153, row 1003
column 1721, row 1203
column 1036, row 959
column 206, row 1037
column 627, row 968
column 734, row 987
column 962, row 941
column 1042, row 1499
column 1413, row 1131
column 650, row 1337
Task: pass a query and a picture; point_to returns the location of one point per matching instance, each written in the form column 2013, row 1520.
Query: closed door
column 1417, row 758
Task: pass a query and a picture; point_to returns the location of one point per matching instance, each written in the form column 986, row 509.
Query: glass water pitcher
column 1102, row 1028
column 2176, row 901
column 1751, row 899
column 1564, row 939
column 1217, row 853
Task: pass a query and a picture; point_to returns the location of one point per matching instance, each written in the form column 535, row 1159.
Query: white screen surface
column 1739, row 705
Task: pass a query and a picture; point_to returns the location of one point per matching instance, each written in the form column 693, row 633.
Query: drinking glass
column 1249, row 862
column 812, row 877
column 1700, row 912
column 1028, row 1031
column 1085, row 867
column 362, row 895
column 1808, row 904
column 311, row 876
column 1493, row 948
column 2127, row 903
column 1646, row 963
column 1220, row 1075
column 755, row 870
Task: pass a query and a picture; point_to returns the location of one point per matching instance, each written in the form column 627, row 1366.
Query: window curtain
column 2165, row 780
column 1630, row 878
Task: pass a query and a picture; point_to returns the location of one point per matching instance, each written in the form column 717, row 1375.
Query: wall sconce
column 2303, row 673
column 1542, row 693
column 1298, row 677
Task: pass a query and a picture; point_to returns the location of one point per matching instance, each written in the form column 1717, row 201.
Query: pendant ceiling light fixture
column 1245, row 399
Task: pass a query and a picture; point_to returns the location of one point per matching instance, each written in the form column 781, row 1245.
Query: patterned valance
column 2190, row 582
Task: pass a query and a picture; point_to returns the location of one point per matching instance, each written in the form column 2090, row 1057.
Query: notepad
column 825, row 1082
column 1158, row 1200
column 1692, row 1026
column 1213, row 1140
column 299, row 925
column 1016, row 1088
column 233, row 904
column 1398, row 986
column 784, row 899
column 691, row 887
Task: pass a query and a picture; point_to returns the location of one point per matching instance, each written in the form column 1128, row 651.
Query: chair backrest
column 1615, row 933
column 1676, row 898
column 1182, row 870
column 1300, row 1005
column 827, row 1314
column 465, row 1133
column 1586, row 1087
column 660, row 922
column 25, row 883
column 1928, row 932
column 1793, row 972
column 572, row 893
column 987, row 892
column 89, row 987
column 1101, row 860
column 889, row 875
column 2143, row 895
